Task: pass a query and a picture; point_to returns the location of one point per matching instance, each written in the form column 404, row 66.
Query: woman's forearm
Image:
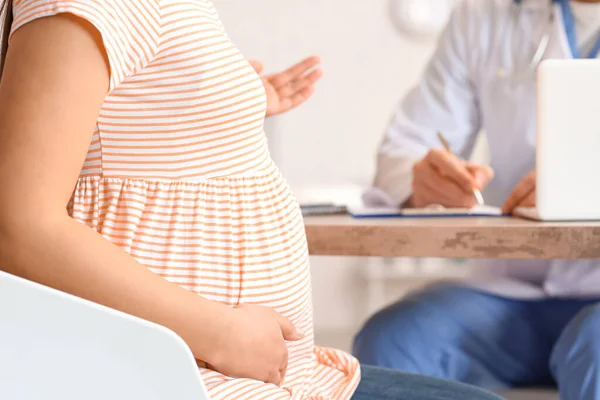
column 71, row 257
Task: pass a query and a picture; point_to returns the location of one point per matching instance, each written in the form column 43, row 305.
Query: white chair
column 54, row 346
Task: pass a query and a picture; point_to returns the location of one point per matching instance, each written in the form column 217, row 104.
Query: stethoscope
column 569, row 26
column 538, row 55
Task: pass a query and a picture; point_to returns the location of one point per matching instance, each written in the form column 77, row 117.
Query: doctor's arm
column 412, row 167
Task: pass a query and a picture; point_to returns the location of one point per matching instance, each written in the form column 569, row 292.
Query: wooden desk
column 452, row 238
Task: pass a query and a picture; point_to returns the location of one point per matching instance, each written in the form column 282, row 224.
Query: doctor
column 520, row 323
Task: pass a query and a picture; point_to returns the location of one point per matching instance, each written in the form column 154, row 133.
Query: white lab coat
column 461, row 93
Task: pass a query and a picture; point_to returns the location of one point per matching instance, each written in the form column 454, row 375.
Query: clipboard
column 434, row 211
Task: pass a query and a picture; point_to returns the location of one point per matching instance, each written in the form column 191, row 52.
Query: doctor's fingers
column 482, row 174
column 452, row 167
column 529, row 200
column 525, row 190
column 430, row 178
column 432, row 188
column 520, row 199
column 425, row 195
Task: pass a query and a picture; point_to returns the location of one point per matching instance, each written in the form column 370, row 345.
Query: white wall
column 368, row 67
column 332, row 139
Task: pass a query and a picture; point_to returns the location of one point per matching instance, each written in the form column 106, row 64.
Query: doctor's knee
column 394, row 338
column 577, row 352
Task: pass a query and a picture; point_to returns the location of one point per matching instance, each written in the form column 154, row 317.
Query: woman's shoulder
column 130, row 29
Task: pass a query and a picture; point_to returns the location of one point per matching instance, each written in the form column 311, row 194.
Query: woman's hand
column 290, row 88
column 253, row 346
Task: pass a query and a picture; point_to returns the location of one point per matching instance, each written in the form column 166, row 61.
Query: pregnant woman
column 134, row 172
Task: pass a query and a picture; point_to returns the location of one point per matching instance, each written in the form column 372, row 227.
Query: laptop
column 568, row 142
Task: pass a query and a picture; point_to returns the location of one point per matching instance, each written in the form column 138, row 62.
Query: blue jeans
column 462, row 334
column 386, row 384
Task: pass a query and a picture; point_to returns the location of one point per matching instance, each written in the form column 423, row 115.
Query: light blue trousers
column 462, row 334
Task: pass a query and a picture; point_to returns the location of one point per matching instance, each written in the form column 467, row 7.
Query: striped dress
column 178, row 174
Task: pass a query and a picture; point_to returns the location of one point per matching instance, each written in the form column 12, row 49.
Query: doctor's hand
column 442, row 178
column 288, row 89
column 523, row 194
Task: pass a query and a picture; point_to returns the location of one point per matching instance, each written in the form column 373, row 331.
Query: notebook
column 434, row 211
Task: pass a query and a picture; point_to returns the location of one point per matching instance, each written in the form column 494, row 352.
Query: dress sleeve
column 130, row 29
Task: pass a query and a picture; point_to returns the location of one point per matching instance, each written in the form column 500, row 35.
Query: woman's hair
column 7, row 17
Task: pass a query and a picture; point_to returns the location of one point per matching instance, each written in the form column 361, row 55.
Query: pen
column 476, row 192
